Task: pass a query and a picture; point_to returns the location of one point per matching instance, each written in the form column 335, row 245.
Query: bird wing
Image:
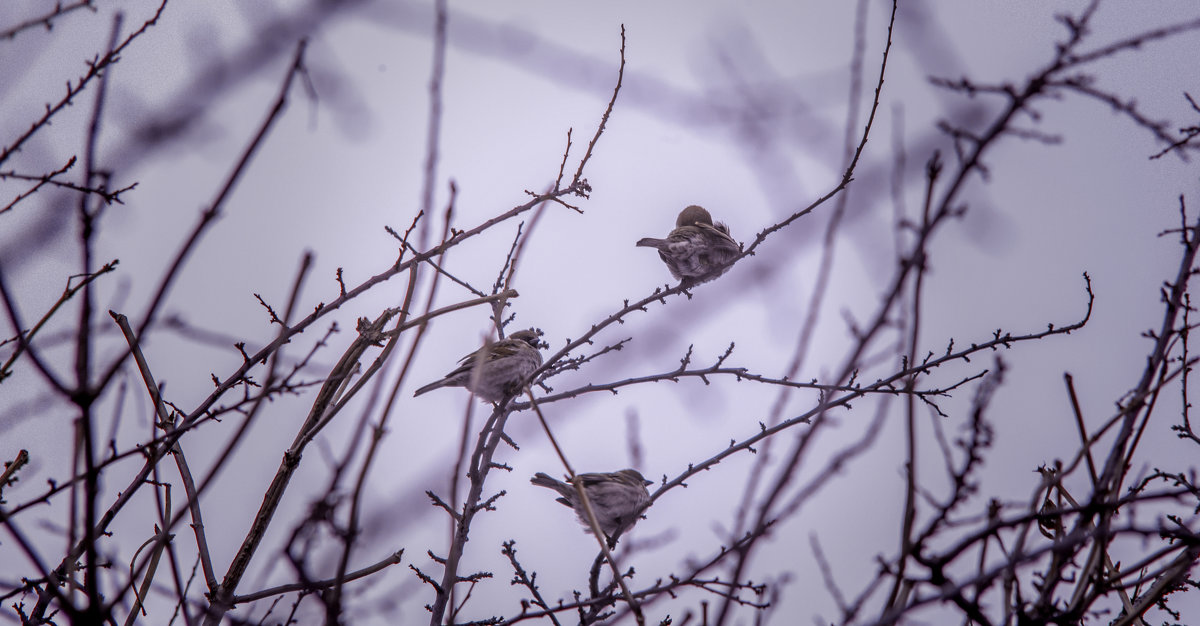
column 492, row 352
column 591, row 480
column 505, row 348
column 470, row 358
column 720, row 230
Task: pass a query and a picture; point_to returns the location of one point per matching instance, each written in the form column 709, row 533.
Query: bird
column 698, row 250
column 617, row 498
column 506, row 364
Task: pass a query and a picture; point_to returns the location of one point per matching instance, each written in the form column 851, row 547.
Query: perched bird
column 698, row 250
column 506, row 365
column 617, row 498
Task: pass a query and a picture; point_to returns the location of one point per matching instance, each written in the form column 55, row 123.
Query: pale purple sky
column 519, row 75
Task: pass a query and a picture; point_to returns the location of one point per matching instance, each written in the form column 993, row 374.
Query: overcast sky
column 740, row 110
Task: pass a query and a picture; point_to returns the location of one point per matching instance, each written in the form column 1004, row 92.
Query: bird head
column 693, row 215
column 529, row 336
column 633, row 476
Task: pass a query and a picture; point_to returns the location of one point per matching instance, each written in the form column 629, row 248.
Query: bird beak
column 648, row 482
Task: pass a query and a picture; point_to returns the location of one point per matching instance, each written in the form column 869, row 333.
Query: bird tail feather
column 544, row 480
column 541, row 479
column 437, row 384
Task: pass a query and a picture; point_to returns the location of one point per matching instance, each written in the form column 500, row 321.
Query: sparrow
column 506, row 365
column 617, row 498
column 698, row 250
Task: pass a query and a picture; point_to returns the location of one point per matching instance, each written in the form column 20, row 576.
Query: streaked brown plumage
column 506, row 366
column 617, row 498
column 698, row 250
